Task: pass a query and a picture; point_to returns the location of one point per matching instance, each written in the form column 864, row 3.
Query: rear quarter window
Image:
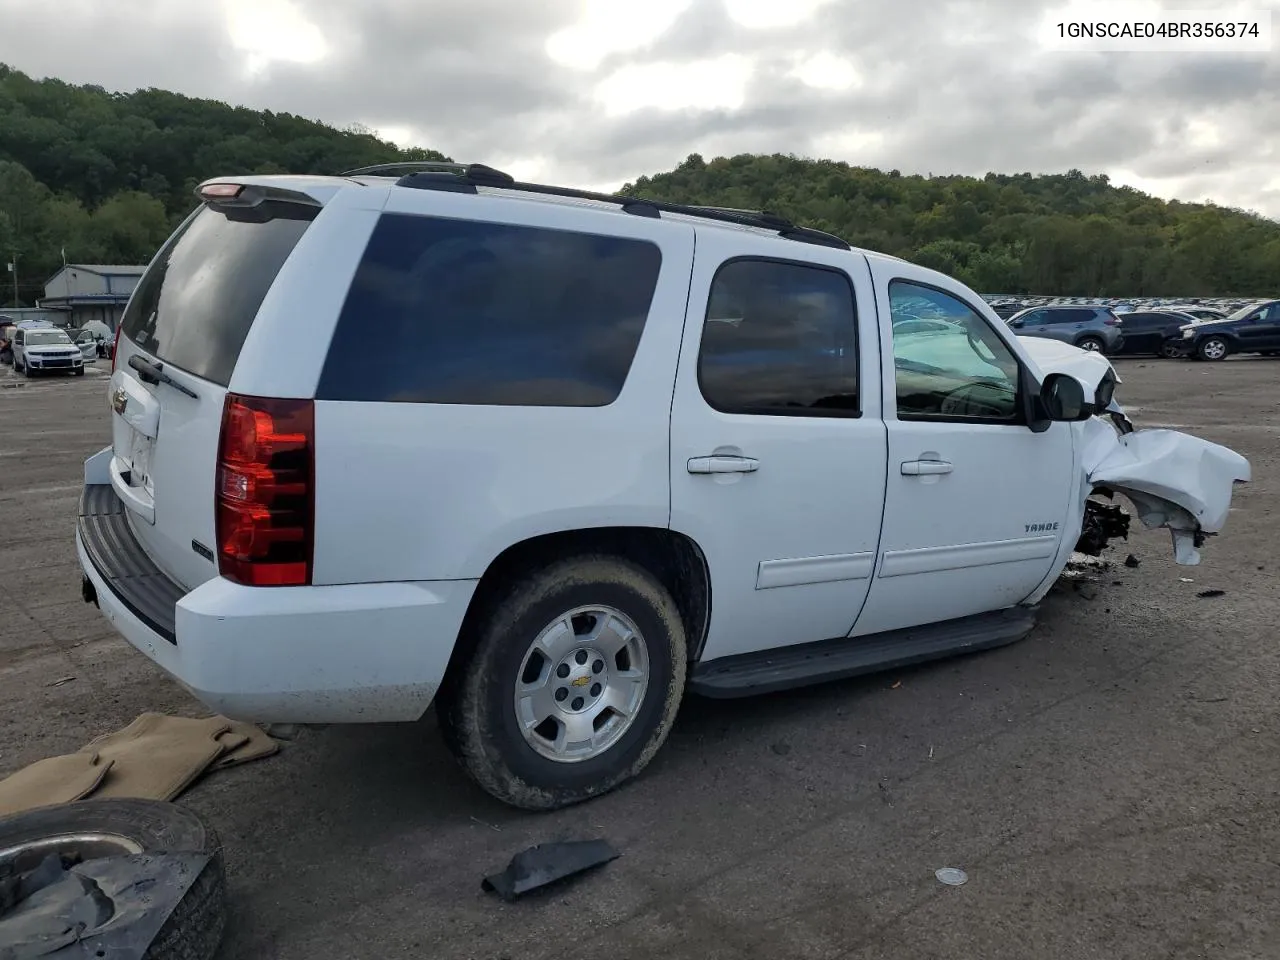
column 464, row 312
column 194, row 306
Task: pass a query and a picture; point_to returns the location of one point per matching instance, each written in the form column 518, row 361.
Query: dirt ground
column 1111, row 785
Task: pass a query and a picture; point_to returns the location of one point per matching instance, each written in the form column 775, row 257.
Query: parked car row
column 1206, row 308
column 1198, row 333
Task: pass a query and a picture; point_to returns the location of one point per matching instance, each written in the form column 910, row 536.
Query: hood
column 1208, row 326
column 57, row 349
column 1054, row 356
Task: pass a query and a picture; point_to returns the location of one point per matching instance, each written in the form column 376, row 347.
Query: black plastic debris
column 107, row 908
column 1102, row 524
column 1206, row 594
column 1132, row 561
column 547, row 863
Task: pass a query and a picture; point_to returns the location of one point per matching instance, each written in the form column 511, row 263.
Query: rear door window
column 780, row 339
column 467, row 312
column 194, row 306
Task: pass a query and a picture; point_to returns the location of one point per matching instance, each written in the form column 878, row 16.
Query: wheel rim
column 1093, row 346
column 581, row 684
column 1169, row 350
column 1214, row 349
column 80, row 846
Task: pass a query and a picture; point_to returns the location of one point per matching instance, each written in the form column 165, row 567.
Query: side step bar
column 782, row 669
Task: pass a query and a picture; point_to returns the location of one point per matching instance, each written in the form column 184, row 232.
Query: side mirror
column 1016, row 323
column 1062, row 399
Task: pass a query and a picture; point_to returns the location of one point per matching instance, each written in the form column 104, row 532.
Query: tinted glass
column 1144, row 321
column 194, row 306
column 457, row 311
column 967, row 374
column 780, row 339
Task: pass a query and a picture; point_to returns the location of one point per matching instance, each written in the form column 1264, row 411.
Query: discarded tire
column 92, row 829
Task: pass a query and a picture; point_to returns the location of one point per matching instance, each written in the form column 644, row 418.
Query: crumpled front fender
column 1174, row 480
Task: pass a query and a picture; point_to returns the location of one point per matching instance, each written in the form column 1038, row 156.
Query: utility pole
column 13, row 268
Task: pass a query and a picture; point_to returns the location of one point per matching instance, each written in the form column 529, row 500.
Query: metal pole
column 16, row 302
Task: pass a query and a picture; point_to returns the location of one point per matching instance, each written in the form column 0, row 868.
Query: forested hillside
column 1062, row 234
column 106, row 175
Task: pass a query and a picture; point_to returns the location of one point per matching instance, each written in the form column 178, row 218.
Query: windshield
column 1243, row 312
column 38, row 338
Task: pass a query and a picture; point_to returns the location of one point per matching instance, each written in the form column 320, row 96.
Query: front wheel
column 1213, row 348
column 1092, row 344
column 572, row 686
column 79, row 371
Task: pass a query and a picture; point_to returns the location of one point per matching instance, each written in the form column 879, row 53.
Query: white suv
column 40, row 347
column 550, row 459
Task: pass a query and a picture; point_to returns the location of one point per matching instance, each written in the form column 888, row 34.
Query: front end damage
column 1173, row 479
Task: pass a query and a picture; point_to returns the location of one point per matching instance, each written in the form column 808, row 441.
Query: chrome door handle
column 925, row 468
column 723, row 465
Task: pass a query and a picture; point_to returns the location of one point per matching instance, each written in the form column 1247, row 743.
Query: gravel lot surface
column 1111, row 785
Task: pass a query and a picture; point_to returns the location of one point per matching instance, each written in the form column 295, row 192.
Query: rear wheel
column 1092, row 344
column 572, row 686
column 1213, row 348
column 1170, row 350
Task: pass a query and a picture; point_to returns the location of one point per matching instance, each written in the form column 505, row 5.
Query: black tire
column 1211, row 345
column 1092, row 344
column 1170, row 350
column 80, row 371
column 194, row 928
column 475, row 705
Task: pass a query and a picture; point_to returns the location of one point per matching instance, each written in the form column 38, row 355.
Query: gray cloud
column 945, row 86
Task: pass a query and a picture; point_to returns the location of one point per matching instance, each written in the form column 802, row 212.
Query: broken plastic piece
column 1211, row 593
column 546, row 863
column 952, row 876
column 1103, row 523
column 105, row 907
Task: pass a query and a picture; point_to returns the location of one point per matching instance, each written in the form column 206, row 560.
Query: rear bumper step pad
column 120, row 560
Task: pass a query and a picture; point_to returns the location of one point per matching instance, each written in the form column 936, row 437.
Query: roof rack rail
column 457, row 178
column 403, row 167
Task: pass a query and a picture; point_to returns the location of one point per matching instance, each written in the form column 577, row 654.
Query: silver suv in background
column 1090, row 328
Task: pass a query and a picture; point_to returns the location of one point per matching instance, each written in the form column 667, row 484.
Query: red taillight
column 1111, row 320
column 265, row 494
column 115, row 346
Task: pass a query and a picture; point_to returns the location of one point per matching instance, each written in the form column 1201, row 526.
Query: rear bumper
column 357, row 653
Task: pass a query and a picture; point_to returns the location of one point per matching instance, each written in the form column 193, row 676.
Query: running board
column 782, row 668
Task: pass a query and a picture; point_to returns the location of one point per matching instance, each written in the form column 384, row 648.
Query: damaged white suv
column 551, row 459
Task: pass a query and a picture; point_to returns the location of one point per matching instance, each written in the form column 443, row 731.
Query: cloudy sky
column 597, row 92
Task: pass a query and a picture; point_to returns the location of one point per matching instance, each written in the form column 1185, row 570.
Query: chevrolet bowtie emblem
column 119, row 400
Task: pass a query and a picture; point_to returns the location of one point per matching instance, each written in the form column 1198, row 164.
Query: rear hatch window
column 195, row 305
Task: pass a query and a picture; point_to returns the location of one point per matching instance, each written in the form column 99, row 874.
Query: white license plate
column 140, row 461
